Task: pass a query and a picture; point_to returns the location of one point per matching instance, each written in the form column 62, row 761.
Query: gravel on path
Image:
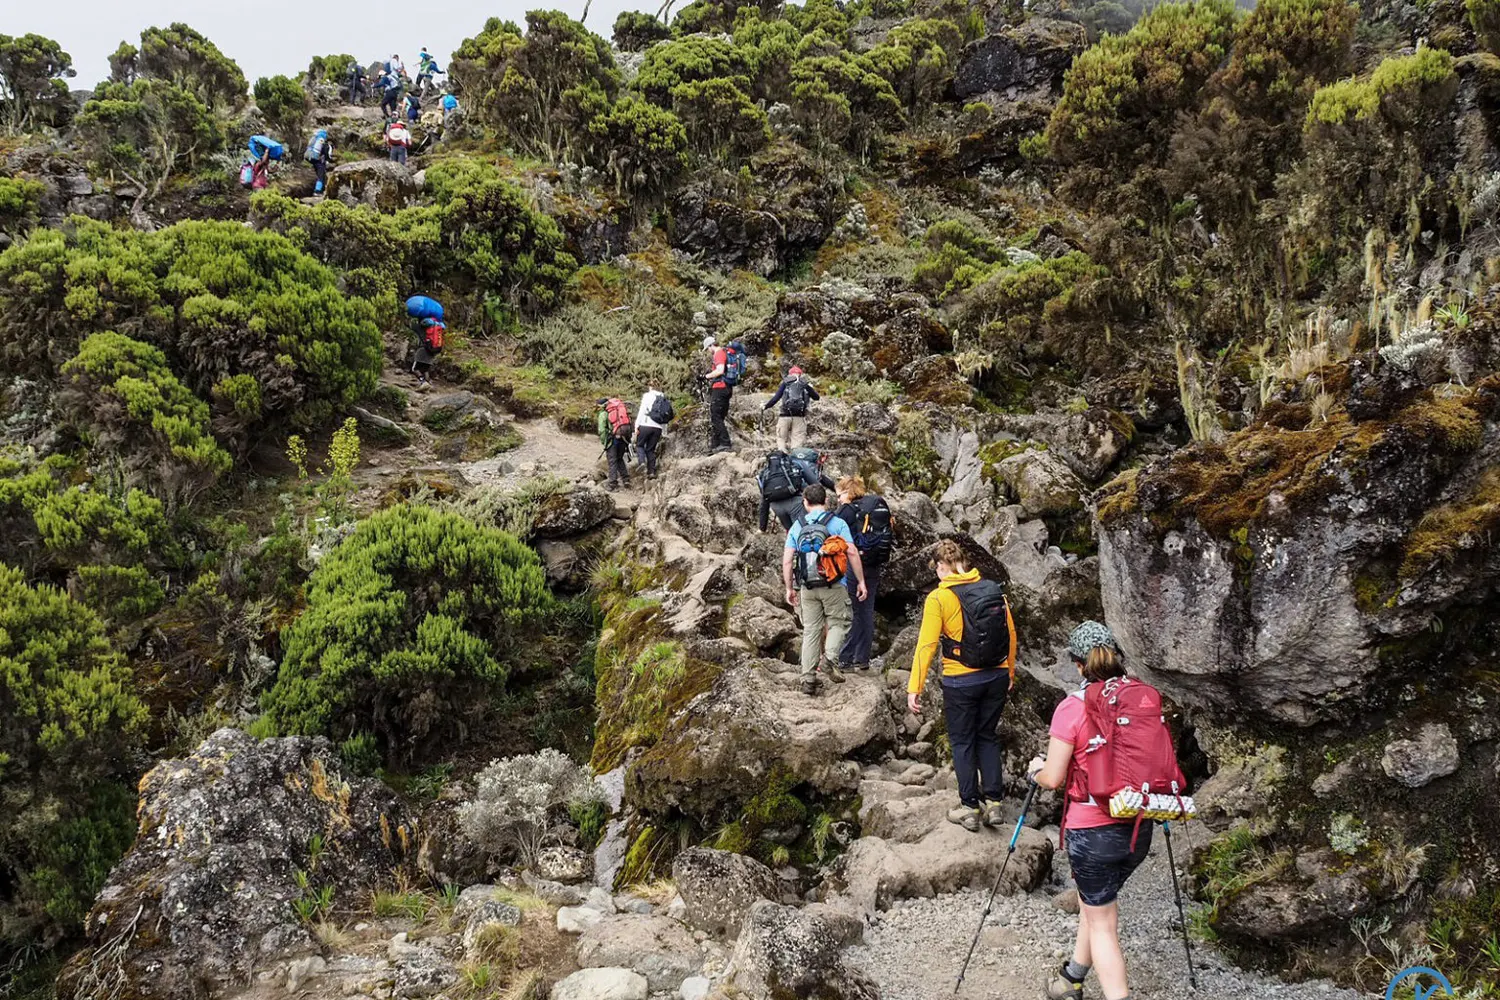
column 914, row 950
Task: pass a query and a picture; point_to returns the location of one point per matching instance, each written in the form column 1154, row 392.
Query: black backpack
column 811, row 537
column 662, row 411
column 874, row 528
column 779, row 479
column 794, row 399
column 987, row 627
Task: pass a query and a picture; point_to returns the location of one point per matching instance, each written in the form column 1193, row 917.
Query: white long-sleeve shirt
column 643, row 412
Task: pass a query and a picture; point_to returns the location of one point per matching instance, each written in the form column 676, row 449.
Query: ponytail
column 1103, row 663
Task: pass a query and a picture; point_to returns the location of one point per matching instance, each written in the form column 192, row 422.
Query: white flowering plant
column 516, row 800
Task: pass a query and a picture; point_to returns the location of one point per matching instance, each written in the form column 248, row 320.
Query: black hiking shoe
column 810, row 686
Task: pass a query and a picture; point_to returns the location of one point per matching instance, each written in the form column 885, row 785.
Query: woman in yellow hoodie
column 977, row 678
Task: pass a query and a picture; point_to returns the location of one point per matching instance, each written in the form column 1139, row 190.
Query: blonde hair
column 1102, row 664
column 852, row 485
column 950, row 552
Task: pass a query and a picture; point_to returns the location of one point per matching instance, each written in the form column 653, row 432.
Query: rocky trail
column 891, row 916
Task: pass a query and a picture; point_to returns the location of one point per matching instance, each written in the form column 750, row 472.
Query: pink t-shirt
column 1067, row 720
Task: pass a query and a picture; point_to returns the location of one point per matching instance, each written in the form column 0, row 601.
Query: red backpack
column 619, row 417
column 434, row 336
column 1126, row 746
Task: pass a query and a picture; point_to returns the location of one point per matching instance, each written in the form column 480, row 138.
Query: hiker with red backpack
column 1109, row 746
column 874, row 527
column 969, row 619
column 427, row 323
column 397, row 139
column 818, row 558
column 794, row 394
column 615, row 431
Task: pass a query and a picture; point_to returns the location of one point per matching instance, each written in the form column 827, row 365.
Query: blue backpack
column 316, row 145
column 734, row 363
column 422, row 307
column 808, row 567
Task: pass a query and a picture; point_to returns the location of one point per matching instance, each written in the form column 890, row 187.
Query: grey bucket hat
column 1089, row 635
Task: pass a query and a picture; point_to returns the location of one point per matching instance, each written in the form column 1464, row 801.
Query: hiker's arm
column 780, row 390
column 928, row 641
column 811, row 391
column 787, row 555
column 828, row 484
column 717, row 370
column 1055, row 771
column 765, row 511
column 858, row 565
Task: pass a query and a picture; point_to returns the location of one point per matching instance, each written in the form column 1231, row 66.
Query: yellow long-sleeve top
column 943, row 615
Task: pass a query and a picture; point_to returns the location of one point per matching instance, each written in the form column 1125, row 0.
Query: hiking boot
column 1063, row 988
column 834, row 674
column 966, row 817
column 810, row 686
column 612, row 487
column 993, row 816
column 860, row 666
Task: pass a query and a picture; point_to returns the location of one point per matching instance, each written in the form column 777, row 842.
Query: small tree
column 328, row 69
column 145, row 131
column 284, row 104
column 517, row 800
column 188, row 59
column 721, row 120
column 686, row 60
column 33, row 87
column 636, row 32
column 642, row 146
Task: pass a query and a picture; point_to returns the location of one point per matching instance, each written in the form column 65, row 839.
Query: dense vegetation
column 1203, row 204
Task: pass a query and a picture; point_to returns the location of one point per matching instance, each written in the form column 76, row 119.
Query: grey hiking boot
column 810, row 686
column 966, row 817
column 994, row 815
column 1063, row 987
column 833, row 673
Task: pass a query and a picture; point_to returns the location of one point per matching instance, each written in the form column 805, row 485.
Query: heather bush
column 412, row 625
column 130, row 406
column 71, row 724
column 216, row 299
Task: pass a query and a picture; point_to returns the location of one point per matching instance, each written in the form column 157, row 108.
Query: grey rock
column 561, row 562
column 633, row 904
column 303, row 969
column 694, row 988
column 567, row 865
column 1067, row 901
column 1431, row 753
column 382, row 184
column 553, row 893
column 1089, row 442
column 222, row 835
column 423, row 973
column 598, row 899
column 1042, row 483
column 1033, row 56
column 492, row 917
column 766, row 626
column 718, row 888
column 602, row 984
column 576, row 512
column 783, row 953
column 659, row 948
column 577, row 919
column 874, row 874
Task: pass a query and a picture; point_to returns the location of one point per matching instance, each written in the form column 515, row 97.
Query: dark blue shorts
column 1102, row 859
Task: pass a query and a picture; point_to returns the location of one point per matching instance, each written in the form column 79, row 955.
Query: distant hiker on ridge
column 794, row 394
column 969, row 618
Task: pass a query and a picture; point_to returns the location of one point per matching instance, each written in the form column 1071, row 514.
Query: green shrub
column 147, row 130
column 689, row 60
column 284, row 104
column 218, row 300
column 130, row 406
column 721, row 120
column 1484, row 15
column 412, row 624
column 33, row 84
column 71, row 723
column 328, row 69
column 1283, row 50
column 635, row 31
column 19, row 201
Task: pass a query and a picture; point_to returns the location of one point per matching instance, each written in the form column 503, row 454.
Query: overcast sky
column 267, row 37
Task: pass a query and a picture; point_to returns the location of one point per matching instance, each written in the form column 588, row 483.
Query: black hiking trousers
column 647, row 444
column 718, row 412
column 972, row 712
column 619, row 473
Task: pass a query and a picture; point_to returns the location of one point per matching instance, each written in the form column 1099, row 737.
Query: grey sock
column 1075, row 972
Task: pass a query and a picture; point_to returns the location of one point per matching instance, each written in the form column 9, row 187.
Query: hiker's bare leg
column 1082, row 953
column 1104, row 948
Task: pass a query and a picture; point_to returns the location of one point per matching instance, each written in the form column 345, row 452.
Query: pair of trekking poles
column 1011, row 849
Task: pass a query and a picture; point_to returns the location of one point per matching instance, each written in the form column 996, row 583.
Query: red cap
column 794, row 370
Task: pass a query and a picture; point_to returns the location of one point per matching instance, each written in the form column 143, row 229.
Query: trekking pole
column 989, row 903
column 1181, row 913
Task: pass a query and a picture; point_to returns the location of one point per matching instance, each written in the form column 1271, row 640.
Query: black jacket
column 766, row 506
column 812, row 394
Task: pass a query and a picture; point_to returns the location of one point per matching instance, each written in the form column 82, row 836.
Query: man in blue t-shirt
column 820, row 603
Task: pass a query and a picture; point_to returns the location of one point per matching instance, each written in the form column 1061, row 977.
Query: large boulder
column 1089, row 442
column 203, row 901
column 727, row 743
column 384, row 185
column 767, row 627
column 785, row 953
column 1042, row 483
column 1285, row 572
column 602, row 984
column 719, row 888
column 1031, row 57
column 658, row 948
column 573, row 512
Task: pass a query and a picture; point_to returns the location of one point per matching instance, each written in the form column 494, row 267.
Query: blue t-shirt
column 449, row 102
column 836, row 526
